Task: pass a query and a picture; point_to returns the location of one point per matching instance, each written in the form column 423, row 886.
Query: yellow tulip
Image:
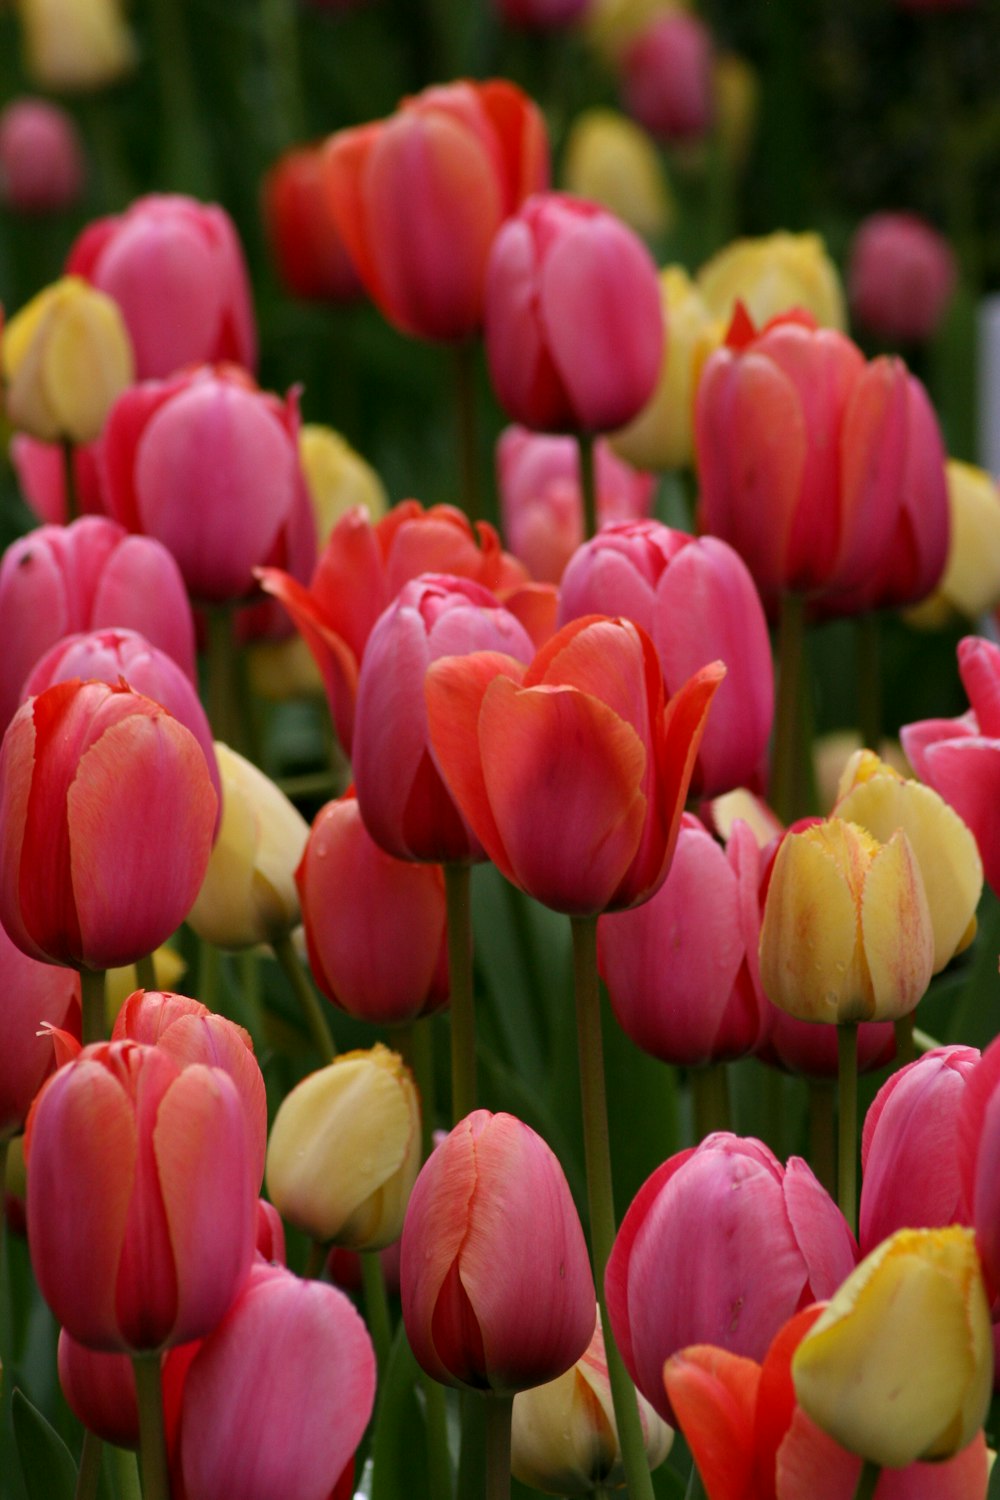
column 345, row 1150
column 970, row 585
column 75, row 44
column 847, row 933
column 66, row 358
column 612, row 161
column 881, row 800
column 610, row 25
column 337, row 478
column 899, row 1366
column 771, row 275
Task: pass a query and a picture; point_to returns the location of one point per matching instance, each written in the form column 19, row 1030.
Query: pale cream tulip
column 970, row 585
column 75, row 44
column 337, row 478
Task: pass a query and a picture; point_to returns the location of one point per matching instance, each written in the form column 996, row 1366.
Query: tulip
column 207, row 464
column 611, row 160
column 697, row 601
column 978, row 1127
column 541, row 502
column 375, row 925
column 402, row 793
column 595, row 832
column 564, row 1439
column 108, row 813
column 345, row 1150
column 140, row 1204
column 899, row 1366
column 496, row 1283
column 76, row 45
column 31, row 995
column 611, row 24
column 901, row 277
column 176, row 270
column 847, row 933
column 248, row 895
column 100, row 1391
column 574, row 328
column 311, row 258
column 66, row 357
column 810, row 1050
column 541, row 14
column 769, row 1240
column 667, row 77
column 337, row 478
column 40, row 469
column 662, row 435
column 41, row 157
column 277, row 1398
column 970, row 584
column 418, row 199
column 960, row 758
column 772, row 275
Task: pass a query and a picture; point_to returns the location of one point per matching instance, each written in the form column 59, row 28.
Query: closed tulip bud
column 667, row 77
column 771, row 275
column 970, row 584
column 66, row 358
column 847, row 933
column 977, row 1145
column 41, row 157
column 338, row 479
column 311, row 257
column 248, row 895
column 345, row 1150
column 901, row 277
column 93, row 780
column 31, row 994
column 564, row 1438
column 76, row 45
column 100, row 1391
column 612, row 161
column 496, row 1282
column 899, row 1366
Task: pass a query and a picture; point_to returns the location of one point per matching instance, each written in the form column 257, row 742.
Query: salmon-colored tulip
column 108, row 812
column 31, row 995
column 141, row 1211
column 312, row 259
column 496, row 1282
column 572, row 772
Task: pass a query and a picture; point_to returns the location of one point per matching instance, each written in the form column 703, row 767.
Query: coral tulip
column 771, row 275
column 41, row 157
column 31, row 995
column 901, row 277
column 496, row 1282
column 312, row 259
column 667, row 77
column 611, row 160
column 418, row 199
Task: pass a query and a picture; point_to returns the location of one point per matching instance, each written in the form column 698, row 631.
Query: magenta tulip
column 100, row 1391
column 978, row 1145
column 496, row 1282
column 668, row 81
column 901, row 276
column 31, row 996
column 41, row 157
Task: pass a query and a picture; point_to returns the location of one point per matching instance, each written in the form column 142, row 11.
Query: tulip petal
column 336, row 661
column 714, row 1394
column 896, row 930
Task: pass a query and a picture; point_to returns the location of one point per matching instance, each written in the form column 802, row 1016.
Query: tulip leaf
column 46, row 1463
column 400, row 1451
column 993, row 1493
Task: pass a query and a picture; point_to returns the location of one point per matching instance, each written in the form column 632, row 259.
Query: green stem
column 89, row 1473
column 376, row 1306
column 280, row 29
column 923, row 1041
column 710, row 1088
column 472, row 1449
column 152, row 1442
column 463, row 1016
column 695, row 1487
column 847, row 1135
column 145, row 973
column 468, row 435
column 184, row 164
column 906, row 1048
column 315, row 1261
column 417, row 1046
column 69, row 480
column 785, row 774
column 222, row 691
column 94, row 1028
column 867, row 1480
column 822, row 1140
column 309, row 1002
column 438, row 1455
column 588, row 484
column 869, row 677
column 126, row 1473
column 209, row 967
column 498, row 1417
column 600, row 1193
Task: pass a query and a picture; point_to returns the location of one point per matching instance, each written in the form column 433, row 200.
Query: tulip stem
column 468, row 435
column 867, row 1480
column 600, row 1193
column 221, row 687
column 457, row 879
column 69, row 480
column 906, row 1045
column 847, row 1145
column 439, row 1468
column 498, row 1415
column 89, row 1472
column 588, row 484
column 822, row 1147
column 316, row 1261
column 145, row 972
column 869, row 678
column 785, row 770
column 376, row 1307
column 710, row 1091
column 152, row 1441
column 126, row 1472
column 94, row 1028
column 309, row 1002
column 417, row 1047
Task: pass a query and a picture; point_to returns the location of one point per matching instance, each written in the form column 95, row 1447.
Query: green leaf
column 46, row 1463
column 399, row 1442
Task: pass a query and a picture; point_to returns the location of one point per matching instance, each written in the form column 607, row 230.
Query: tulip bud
column 901, row 277
column 667, row 77
column 337, row 478
column 771, row 275
column 41, row 157
column 899, row 1366
column 312, row 259
column 100, row 1390
column 612, row 161
column 66, row 359
column 847, row 934
column 970, row 584
column 76, row 44
column 345, row 1150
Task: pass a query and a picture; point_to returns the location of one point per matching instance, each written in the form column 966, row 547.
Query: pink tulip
column 59, row 580
column 960, row 758
column 697, row 600
column 176, row 269
column 668, row 80
column 41, row 157
column 375, row 925
column 572, row 772
column 270, row 1239
column 496, row 1282
column 209, row 465
column 978, row 1143
column 277, row 1397
column 41, row 476
column 574, row 321
column 100, row 1391
column 681, row 970
column 909, row 1149
column 140, row 1206
column 108, row 812
column 31, row 996
column 404, row 801
column 901, row 277
column 720, row 1246
column 540, row 501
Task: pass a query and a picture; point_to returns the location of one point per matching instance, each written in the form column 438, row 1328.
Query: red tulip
column 107, row 811
column 100, row 1391
column 572, row 772
column 176, row 269
column 496, row 1282
column 140, row 1206
column 574, row 320
column 420, row 196
column 668, row 80
column 41, row 157
column 901, row 276
column 311, row 256
column 31, row 995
